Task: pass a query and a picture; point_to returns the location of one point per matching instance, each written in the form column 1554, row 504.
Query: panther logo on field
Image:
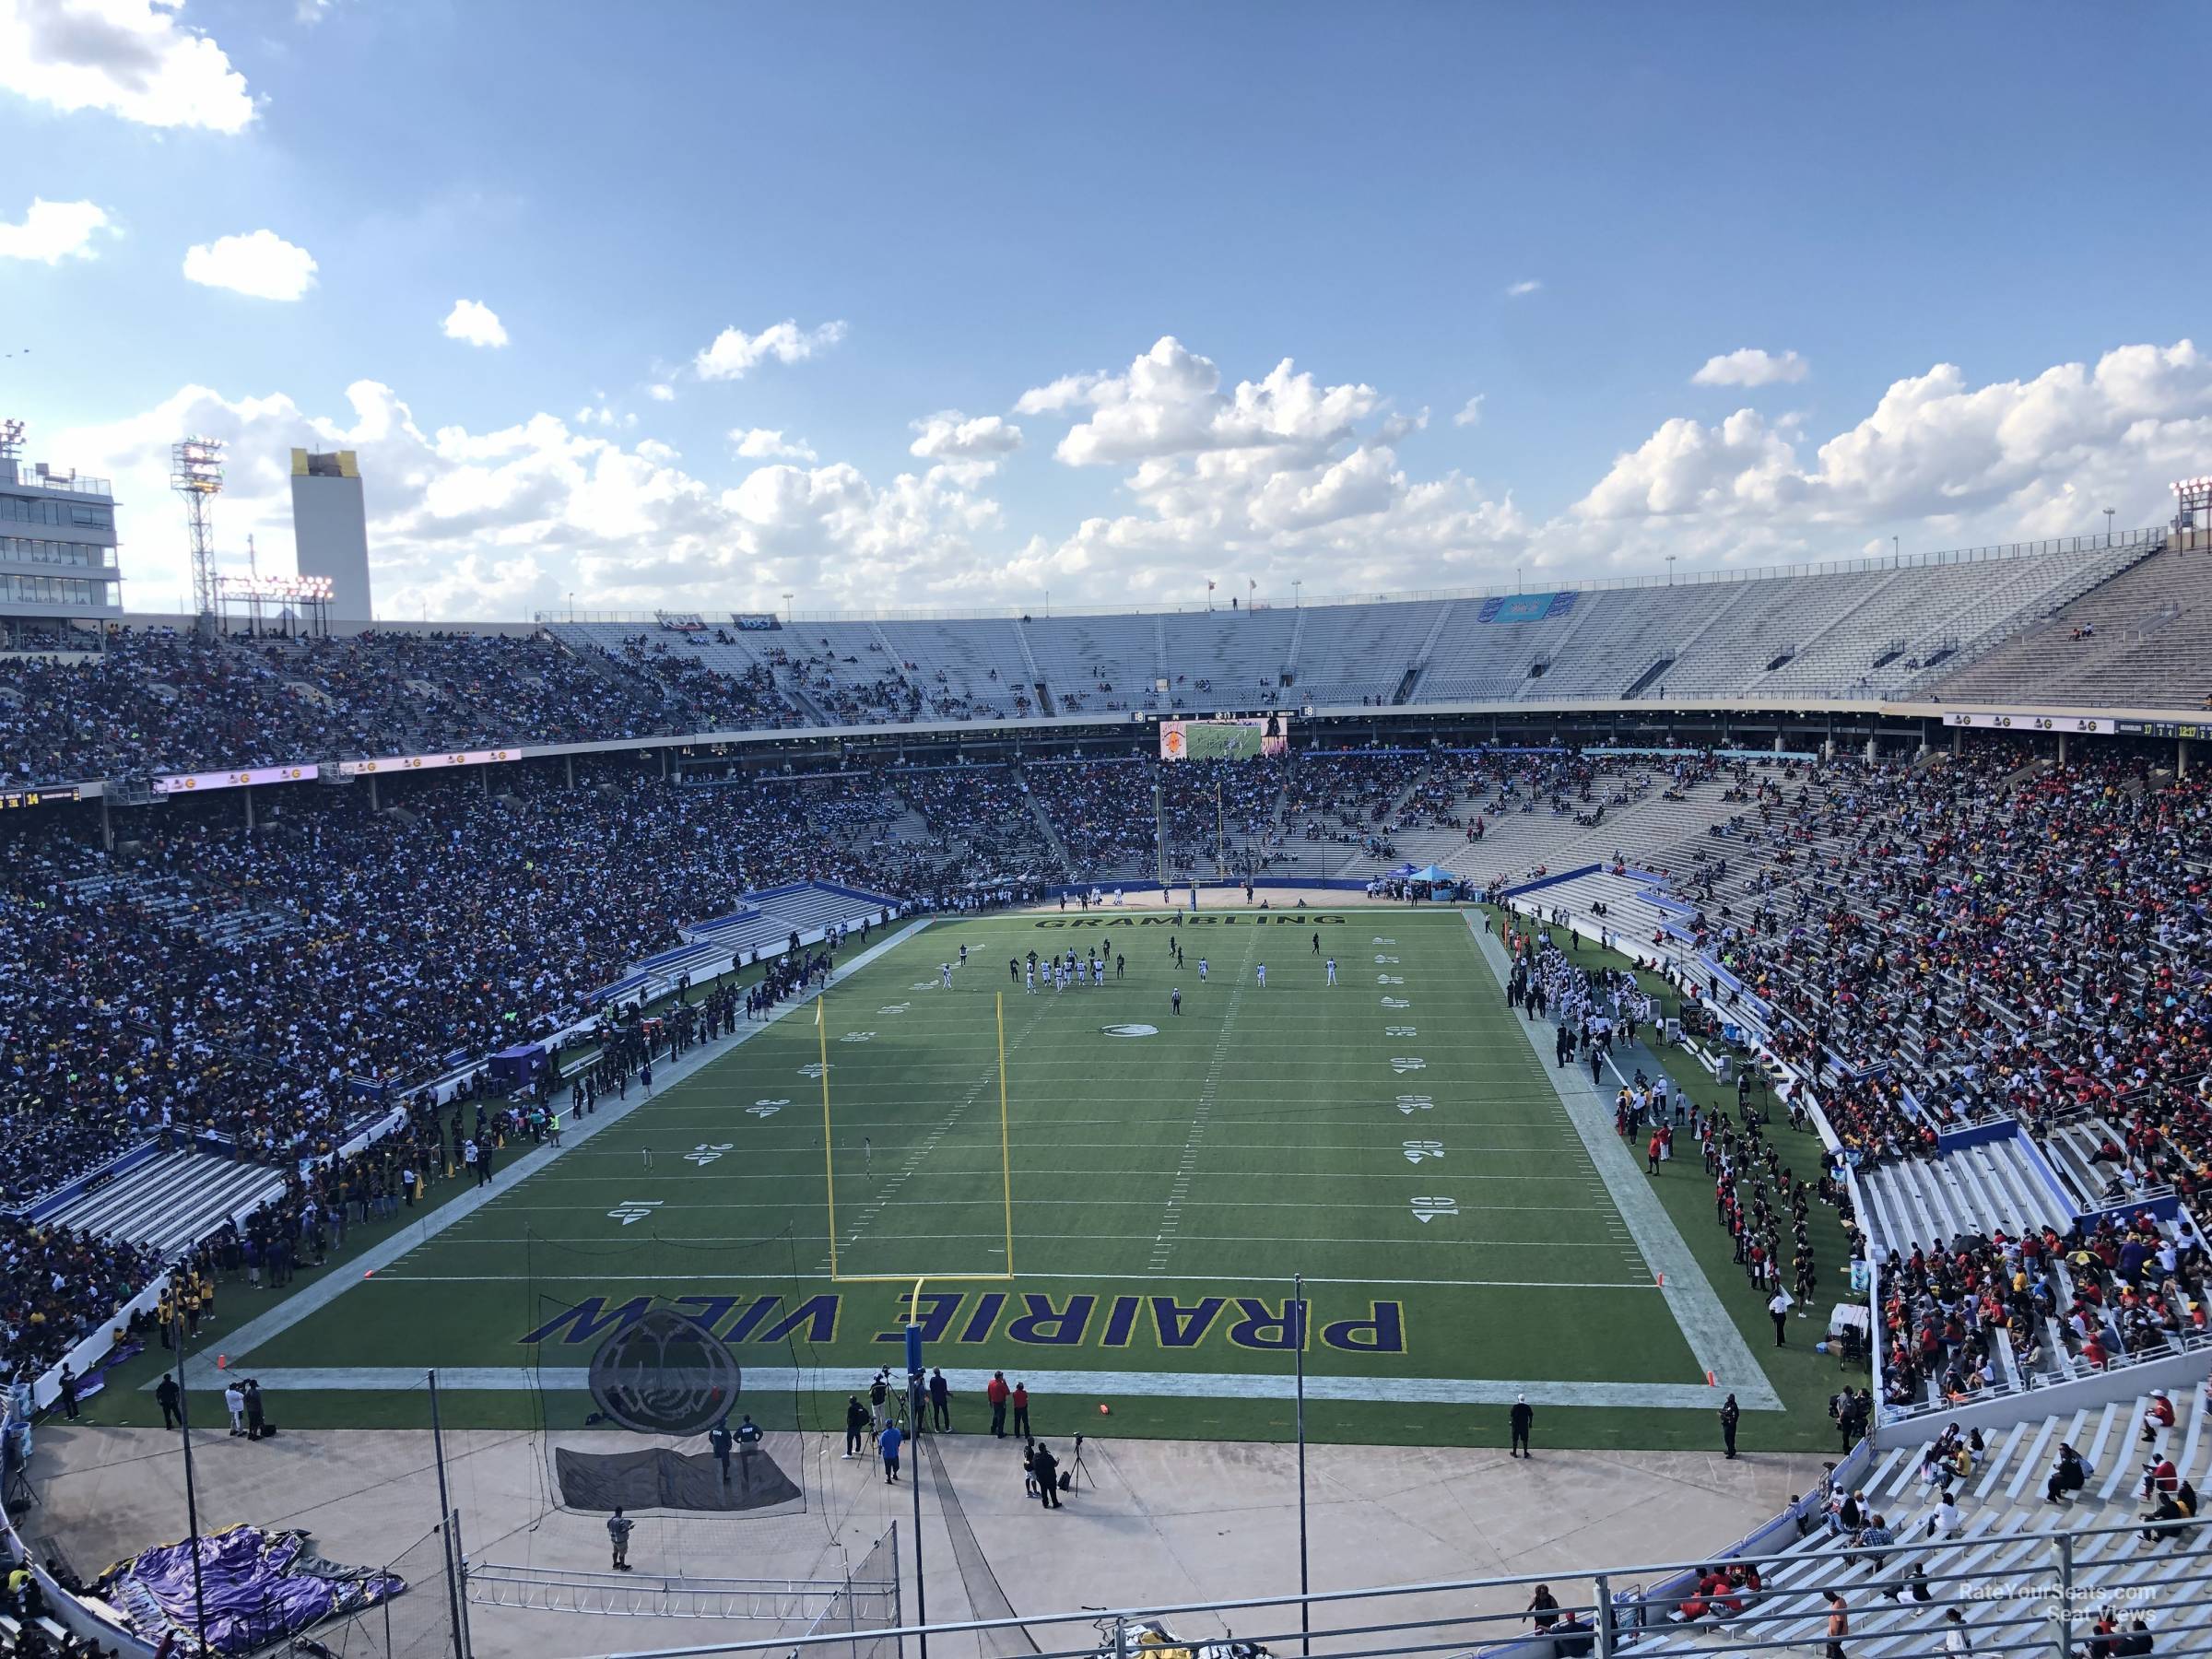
column 1129, row 1030
column 665, row 1375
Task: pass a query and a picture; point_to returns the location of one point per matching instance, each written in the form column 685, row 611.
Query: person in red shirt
column 2159, row 1415
column 1021, row 1409
column 994, row 1391
column 2160, row 1476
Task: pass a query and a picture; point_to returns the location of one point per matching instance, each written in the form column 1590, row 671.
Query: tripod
column 1079, row 1470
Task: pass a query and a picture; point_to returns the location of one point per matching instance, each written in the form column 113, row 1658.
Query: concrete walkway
column 1718, row 1345
column 1156, row 1523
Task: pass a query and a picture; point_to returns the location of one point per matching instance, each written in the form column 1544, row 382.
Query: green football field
column 1395, row 1137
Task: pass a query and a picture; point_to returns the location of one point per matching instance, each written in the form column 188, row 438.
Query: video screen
column 1225, row 740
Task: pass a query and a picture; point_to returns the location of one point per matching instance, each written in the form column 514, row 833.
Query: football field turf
column 1395, row 1137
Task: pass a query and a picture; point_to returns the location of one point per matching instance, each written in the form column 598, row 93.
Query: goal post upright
column 1005, row 1155
column 1005, row 1166
column 822, row 1027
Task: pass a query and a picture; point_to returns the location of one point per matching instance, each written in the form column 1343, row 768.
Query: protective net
column 670, row 1384
column 417, row 1625
column 864, row 1607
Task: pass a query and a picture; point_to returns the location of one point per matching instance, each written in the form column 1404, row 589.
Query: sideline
column 1715, row 1341
column 202, row 1371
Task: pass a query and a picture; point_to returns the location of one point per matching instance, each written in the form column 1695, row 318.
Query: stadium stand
column 2040, row 624
column 2140, row 639
column 2003, row 1528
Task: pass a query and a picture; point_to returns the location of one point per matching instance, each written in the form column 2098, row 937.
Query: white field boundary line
column 1064, row 1384
column 331, row 1285
column 1714, row 1342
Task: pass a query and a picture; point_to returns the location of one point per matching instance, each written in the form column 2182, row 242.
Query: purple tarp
column 260, row 1587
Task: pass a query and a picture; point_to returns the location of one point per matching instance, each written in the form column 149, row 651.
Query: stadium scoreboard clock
column 11, row 798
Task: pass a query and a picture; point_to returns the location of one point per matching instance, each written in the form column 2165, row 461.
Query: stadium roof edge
column 1586, row 584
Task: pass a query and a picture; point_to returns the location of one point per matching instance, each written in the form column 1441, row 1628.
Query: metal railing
column 27, row 476
column 2021, row 1593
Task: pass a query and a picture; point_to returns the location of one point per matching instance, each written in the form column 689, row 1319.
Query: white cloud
column 949, row 435
column 661, row 393
column 1470, row 413
column 758, row 443
column 1521, row 289
column 736, row 353
column 1752, row 367
column 52, row 232
column 1960, row 463
column 262, row 265
column 1070, row 391
column 1277, row 479
column 1170, row 402
column 494, row 524
column 1290, row 477
column 472, row 321
column 132, row 58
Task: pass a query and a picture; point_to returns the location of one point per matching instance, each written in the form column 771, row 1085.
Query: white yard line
column 823, row 1279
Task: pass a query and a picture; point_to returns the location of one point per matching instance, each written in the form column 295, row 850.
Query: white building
column 330, row 529
column 57, row 539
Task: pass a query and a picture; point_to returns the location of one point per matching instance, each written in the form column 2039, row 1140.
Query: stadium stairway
column 2006, row 1522
column 1983, row 1189
column 171, row 1199
column 1062, row 860
column 2071, row 1148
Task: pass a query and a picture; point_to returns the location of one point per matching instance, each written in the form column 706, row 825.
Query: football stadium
column 1634, row 1081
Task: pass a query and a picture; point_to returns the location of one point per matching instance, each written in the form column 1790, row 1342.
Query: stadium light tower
column 196, row 472
column 2193, row 496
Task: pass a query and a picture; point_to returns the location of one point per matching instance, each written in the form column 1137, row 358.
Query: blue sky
column 1957, row 247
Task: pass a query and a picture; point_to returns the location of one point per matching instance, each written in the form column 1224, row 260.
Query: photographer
column 1045, row 1467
